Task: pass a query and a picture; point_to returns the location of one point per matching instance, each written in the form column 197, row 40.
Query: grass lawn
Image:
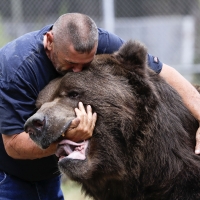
column 72, row 190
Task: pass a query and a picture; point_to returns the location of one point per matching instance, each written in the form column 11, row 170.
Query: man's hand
column 197, row 147
column 82, row 127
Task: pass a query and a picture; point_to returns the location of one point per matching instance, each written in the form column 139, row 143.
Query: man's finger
column 94, row 119
column 89, row 112
column 197, row 147
column 81, row 107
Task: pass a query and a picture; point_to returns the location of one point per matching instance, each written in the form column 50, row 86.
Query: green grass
column 4, row 39
column 72, row 190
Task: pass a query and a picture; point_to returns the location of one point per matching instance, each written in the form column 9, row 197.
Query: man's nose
column 77, row 68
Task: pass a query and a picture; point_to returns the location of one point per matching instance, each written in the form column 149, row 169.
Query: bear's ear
column 132, row 59
column 132, row 56
column 48, row 93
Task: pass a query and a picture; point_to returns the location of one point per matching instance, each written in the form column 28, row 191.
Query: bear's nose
column 38, row 123
column 35, row 124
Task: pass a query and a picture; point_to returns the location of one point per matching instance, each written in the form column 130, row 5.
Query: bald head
column 76, row 29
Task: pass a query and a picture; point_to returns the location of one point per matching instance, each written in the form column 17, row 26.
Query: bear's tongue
column 70, row 149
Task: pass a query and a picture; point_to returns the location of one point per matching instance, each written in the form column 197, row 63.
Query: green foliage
column 196, row 79
column 63, row 8
column 72, row 190
column 3, row 37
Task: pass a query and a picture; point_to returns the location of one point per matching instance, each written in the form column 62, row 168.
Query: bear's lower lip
column 65, row 127
column 72, row 150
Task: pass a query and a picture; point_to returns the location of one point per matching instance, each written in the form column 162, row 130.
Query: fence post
column 17, row 17
column 109, row 15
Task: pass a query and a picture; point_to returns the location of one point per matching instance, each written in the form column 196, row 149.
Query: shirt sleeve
column 109, row 43
column 154, row 63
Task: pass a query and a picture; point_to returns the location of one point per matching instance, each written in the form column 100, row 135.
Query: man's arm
column 20, row 146
column 189, row 94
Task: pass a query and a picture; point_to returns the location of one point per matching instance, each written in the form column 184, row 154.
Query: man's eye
column 73, row 94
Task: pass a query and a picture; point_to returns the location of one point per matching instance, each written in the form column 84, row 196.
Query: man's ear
column 49, row 40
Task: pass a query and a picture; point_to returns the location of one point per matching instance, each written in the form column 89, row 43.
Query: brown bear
column 142, row 146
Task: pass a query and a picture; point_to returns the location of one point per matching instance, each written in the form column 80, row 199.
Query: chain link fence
column 169, row 28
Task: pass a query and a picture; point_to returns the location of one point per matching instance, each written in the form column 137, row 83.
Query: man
column 27, row 65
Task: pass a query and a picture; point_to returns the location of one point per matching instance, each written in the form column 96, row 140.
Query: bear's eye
column 73, row 94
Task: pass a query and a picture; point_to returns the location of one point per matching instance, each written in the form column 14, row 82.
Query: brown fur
column 143, row 143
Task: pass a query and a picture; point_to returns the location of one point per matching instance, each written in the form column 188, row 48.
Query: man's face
column 71, row 60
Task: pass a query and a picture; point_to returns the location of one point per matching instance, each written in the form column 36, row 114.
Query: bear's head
column 134, row 108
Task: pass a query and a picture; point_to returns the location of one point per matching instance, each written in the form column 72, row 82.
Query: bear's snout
column 35, row 124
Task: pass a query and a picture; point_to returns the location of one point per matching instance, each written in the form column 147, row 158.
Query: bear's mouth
column 69, row 149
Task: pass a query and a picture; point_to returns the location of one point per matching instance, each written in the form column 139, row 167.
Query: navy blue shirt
column 108, row 43
column 24, row 71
